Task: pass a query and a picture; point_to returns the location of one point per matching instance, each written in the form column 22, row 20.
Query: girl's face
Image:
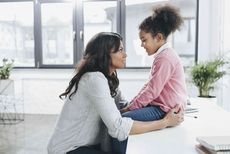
column 117, row 59
column 150, row 43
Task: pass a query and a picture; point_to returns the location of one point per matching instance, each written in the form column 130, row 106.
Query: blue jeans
column 149, row 113
column 95, row 149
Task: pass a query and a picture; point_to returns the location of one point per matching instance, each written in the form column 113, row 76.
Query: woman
column 90, row 102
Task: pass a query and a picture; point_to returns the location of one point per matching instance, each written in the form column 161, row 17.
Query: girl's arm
column 159, row 77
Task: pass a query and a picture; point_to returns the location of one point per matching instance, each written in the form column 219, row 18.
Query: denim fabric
column 149, row 113
column 88, row 150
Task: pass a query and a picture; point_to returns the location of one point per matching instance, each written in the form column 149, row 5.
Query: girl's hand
column 125, row 109
column 174, row 117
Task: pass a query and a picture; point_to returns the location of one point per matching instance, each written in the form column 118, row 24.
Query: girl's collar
column 163, row 47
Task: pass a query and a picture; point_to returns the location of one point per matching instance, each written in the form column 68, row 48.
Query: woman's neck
column 111, row 71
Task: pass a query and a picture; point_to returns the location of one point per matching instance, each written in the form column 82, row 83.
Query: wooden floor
column 27, row 137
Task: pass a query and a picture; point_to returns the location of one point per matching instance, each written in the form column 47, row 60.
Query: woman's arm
column 172, row 118
column 97, row 90
column 120, row 100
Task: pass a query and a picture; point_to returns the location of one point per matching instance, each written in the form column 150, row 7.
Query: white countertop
column 211, row 121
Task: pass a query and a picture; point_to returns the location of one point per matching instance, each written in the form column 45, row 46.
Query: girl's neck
column 162, row 43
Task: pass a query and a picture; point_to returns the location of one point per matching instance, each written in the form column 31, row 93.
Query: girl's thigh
column 148, row 113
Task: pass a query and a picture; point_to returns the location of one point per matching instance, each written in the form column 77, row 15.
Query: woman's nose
column 142, row 44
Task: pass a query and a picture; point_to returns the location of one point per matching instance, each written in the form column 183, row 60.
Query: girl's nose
column 125, row 55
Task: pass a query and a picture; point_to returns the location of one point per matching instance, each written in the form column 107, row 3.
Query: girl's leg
column 149, row 113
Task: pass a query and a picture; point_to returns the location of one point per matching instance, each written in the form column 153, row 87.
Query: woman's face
column 150, row 43
column 118, row 59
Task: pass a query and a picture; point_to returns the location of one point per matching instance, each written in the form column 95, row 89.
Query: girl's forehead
column 143, row 34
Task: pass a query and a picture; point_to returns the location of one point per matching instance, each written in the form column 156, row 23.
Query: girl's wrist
column 126, row 109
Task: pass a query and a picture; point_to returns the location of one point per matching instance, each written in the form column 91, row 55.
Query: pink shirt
column 166, row 85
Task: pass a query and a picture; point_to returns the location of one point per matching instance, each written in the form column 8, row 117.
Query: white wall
column 210, row 28
column 212, row 43
column 40, row 88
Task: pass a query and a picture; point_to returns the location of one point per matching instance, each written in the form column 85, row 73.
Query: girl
column 166, row 86
column 89, row 102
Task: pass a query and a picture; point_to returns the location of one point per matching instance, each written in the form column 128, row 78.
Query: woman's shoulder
column 95, row 83
column 94, row 76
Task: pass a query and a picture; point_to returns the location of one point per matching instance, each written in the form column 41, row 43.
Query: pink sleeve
column 161, row 72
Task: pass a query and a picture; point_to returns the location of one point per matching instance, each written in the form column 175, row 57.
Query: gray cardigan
column 120, row 102
column 81, row 120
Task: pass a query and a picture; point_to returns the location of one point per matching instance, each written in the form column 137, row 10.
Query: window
column 17, row 33
column 57, row 33
column 102, row 20
column 63, row 27
column 183, row 41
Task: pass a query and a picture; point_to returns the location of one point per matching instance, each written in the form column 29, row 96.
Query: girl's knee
column 126, row 114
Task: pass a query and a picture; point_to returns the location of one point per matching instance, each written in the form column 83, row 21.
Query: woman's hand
column 174, row 117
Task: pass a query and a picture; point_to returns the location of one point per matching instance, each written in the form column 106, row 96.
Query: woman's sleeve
column 99, row 95
column 120, row 100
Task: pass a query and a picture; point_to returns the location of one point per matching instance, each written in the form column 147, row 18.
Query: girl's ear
column 159, row 37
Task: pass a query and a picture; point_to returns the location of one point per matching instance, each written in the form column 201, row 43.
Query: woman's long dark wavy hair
column 97, row 59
